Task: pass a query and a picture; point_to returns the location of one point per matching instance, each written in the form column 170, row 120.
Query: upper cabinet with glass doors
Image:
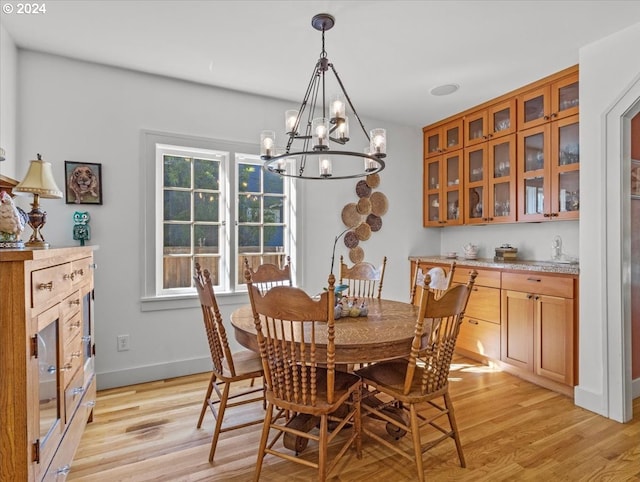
column 443, row 138
column 549, row 102
column 495, row 121
column 442, row 196
column 548, row 171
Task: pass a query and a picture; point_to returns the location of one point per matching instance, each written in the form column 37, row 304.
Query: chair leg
column 322, row 448
column 219, row 419
column 263, row 441
column 357, row 423
column 417, row 445
column 454, row 428
column 207, row 397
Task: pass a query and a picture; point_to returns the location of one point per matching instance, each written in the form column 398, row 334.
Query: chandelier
column 313, row 128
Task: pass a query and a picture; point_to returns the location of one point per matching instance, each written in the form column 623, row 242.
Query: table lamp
column 40, row 182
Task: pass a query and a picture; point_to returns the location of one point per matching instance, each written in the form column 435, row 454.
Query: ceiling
column 389, row 54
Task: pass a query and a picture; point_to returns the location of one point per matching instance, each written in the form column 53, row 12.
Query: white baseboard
column 635, row 388
column 592, row 401
column 149, row 373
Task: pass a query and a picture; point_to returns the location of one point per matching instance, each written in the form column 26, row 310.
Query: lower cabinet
column 538, row 325
column 523, row 321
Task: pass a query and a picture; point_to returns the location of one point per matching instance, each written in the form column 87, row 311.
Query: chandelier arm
column 314, row 102
column 344, row 91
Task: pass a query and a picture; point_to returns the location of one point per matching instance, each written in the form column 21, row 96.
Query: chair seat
column 247, row 363
column 389, row 377
column 345, row 383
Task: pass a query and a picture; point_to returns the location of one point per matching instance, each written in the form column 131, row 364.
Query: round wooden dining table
column 385, row 333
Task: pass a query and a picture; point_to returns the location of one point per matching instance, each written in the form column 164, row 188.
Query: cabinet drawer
column 50, row 282
column 70, row 306
column 72, row 359
column 479, row 337
column 484, row 303
column 539, row 283
column 80, row 270
column 485, row 277
column 72, row 328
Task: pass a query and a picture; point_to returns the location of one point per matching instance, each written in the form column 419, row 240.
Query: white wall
column 85, row 112
column 608, row 68
column 8, row 94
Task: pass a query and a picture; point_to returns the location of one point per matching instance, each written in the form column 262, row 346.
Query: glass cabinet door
column 502, row 185
column 453, row 135
column 475, row 168
column 565, row 195
column 476, row 128
column 432, row 142
column 534, row 108
column 565, row 100
column 533, row 155
column 431, row 208
column 502, row 119
column 451, row 187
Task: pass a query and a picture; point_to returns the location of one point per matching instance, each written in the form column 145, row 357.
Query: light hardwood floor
column 510, row 430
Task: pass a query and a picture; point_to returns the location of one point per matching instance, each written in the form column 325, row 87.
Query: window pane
column 206, row 206
column 249, row 239
column 206, row 174
column 273, row 210
column 177, row 206
column 177, row 171
column 207, row 239
column 249, row 209
column 273, row 238
column 177, row 238
column 273, row 183
column 212, row 264
column 177, row 272
column 249, row 177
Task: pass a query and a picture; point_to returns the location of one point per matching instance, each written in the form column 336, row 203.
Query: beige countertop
column 517, row 265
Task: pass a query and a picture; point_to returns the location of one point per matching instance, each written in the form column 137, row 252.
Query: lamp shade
column 39, row 180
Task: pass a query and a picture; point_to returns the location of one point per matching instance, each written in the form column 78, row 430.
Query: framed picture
column 635, row 179
column 83, row 182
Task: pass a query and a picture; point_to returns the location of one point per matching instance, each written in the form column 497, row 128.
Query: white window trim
column 149, row 299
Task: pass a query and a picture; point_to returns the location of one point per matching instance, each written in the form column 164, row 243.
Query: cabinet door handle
column 546, row 117
column 536, row 297
column 473, row 322
column 64, row 470
column 474, row 289
column 547, row 215
column 529, row 296
column 537, row 280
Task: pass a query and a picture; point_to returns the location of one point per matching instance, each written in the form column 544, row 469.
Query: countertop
column 517, row 265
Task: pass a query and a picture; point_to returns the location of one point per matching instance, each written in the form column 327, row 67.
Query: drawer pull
column 66, row 367
column 76, row 354
column 74, row 302
column 64, row 470
column 91, row 403
column 77, row 391
column 46, row 286
column 74, row 325
column 86, row 338
column 473, row 322
column 537, row 280
column 52, row 369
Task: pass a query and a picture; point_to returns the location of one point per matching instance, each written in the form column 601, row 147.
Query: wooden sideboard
column 522, row 317
column 48, row 387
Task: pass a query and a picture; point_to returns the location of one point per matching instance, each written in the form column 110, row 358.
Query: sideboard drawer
column 48, row 283
column 539, row 283
column 479, row 336
column 484, row 303
column 485, row 277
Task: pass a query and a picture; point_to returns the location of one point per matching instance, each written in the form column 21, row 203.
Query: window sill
column 180, row 302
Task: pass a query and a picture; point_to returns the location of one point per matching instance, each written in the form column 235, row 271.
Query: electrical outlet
column 123, row 342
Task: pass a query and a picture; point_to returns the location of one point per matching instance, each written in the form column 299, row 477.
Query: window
column 261, row 215
column 208, row 202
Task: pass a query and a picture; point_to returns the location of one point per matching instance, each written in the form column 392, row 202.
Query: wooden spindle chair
column 363, row 279
column 268, row 275
column 228, row 368
column 417, row 383
column 296, row 335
